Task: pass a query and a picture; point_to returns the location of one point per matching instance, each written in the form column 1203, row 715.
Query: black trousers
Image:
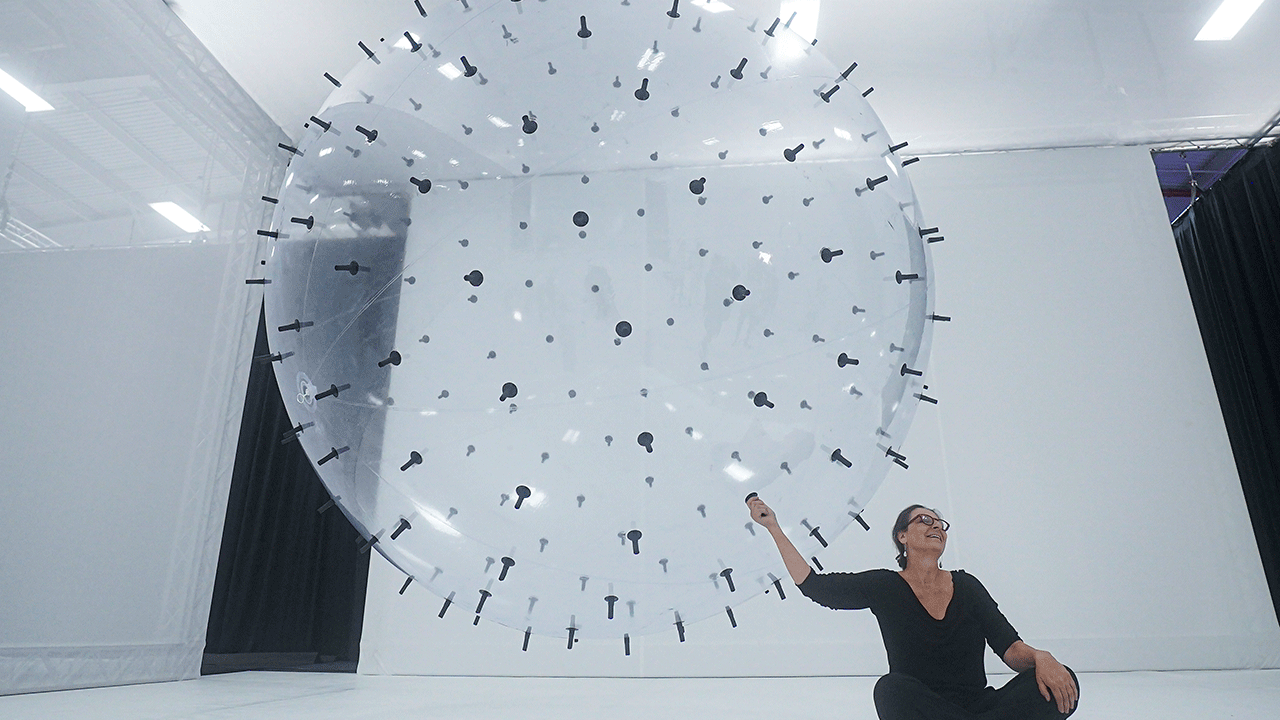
column 902, row 697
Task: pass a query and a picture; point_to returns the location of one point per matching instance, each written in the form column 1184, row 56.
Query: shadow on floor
column 215, row 664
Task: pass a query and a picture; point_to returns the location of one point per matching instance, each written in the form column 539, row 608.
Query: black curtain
column 1230, row 246
column 290, row 585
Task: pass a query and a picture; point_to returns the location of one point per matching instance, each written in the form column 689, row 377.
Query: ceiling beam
column 90, row 108
column 31, row 175
column 221, row 152
column 95, row 169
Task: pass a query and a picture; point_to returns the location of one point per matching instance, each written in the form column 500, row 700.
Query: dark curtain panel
column 1230, row 246
column 291, row 581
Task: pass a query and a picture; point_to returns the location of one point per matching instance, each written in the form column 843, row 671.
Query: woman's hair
column 904, row 519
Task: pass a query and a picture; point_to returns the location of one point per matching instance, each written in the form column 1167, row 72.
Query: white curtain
column 1078, row 448
column 123, row 384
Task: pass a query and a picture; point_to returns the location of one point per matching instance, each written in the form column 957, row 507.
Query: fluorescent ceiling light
column 651, row 60
column 711, row 6
column 31, row 101
column 802, row 16
column 179, row 217
column 1229, row 18
column 404, row 44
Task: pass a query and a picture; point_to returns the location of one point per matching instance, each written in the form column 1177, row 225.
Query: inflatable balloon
column 555, row 285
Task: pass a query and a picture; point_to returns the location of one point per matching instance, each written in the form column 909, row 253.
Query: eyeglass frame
column 929, row 520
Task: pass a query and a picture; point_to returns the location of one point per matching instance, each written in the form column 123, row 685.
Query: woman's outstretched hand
column 761, row 513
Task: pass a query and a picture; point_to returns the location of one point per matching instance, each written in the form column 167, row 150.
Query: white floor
column 314, row 696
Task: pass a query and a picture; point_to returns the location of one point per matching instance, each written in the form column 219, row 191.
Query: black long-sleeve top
column 947, row 654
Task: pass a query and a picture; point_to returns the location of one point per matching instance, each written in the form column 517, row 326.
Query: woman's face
column 921, row 537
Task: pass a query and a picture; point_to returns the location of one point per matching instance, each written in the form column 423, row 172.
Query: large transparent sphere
column 549, row 313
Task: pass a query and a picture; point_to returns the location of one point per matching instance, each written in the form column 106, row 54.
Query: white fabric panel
column 1078, row 448
column 123, row 386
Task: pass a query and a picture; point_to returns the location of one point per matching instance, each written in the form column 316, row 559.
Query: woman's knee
column 894, row 682
column 895, row 689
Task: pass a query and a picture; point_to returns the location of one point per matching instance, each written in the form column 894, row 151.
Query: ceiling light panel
column 1228, row 19
column 31, row 101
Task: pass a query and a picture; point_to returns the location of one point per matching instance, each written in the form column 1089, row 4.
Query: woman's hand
column 762, row 514
column 1054, row 679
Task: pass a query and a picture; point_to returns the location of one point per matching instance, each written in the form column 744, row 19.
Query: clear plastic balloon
column 556, row 285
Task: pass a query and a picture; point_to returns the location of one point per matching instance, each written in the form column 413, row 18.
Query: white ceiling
column 950, row 76
column 140, row 116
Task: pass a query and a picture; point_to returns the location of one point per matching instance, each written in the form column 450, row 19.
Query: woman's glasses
column 931, row 521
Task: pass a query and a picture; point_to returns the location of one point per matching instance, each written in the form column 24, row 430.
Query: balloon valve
column 415, row 458
column 863, row 523
column 404, row 525
column 522, row 493
column 333, row 391
column 333, row 454
column 727, row 574
column 837, row 456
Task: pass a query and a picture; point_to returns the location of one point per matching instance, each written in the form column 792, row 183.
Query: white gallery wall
column 1078, row 448
column 122, row 386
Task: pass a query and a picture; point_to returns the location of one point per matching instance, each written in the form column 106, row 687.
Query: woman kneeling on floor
column 934, row 624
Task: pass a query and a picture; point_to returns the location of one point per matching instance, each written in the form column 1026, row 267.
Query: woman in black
column 934, row 625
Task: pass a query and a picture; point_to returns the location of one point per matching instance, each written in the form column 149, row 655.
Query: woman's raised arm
column 791, row 557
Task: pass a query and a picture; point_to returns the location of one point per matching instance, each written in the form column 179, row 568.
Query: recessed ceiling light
column 1228, row 19
column 31, row 101
column 404, row 44
column 711, row 6
column 801, row 16
column 179, row 217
